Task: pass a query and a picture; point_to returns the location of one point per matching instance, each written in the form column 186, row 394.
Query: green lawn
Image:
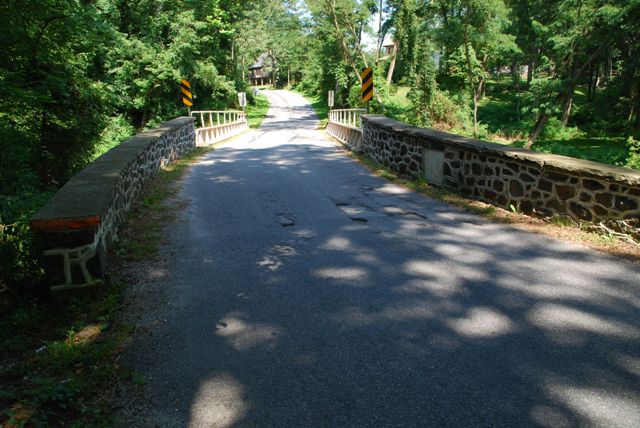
column 397, row 105
column 256, row 113
column 610, row 150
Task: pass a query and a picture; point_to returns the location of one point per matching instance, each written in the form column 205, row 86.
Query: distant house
column 262, row 71
column 388, row 47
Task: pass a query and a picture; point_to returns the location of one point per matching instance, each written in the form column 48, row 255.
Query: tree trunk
column 591, row 90
column 515, row 75
column 531, row 66
column 600, row 73
column 475, row 114
column 568, row 102
column 636, row 126
column 392, row 66
column 379, row 42
column 472, row 86
column 42, row 150
column 537, row 129
column 346, row 53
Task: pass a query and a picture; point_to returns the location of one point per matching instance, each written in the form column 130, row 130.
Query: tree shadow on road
column 379, row 307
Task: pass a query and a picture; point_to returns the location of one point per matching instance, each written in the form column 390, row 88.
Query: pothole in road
column 286, row 220
column 414, row 215
column 359, row 219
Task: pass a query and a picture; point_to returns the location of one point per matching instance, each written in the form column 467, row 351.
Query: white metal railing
column 350, row 117
column 216, row 125
column 209, row 118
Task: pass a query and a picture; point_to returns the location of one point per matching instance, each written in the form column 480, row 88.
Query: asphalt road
column 302, row 291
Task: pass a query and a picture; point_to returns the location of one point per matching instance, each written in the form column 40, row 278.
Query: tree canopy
column 78, row 77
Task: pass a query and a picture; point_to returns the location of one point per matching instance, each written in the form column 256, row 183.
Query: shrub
column 633, row 160
column 19, row 251
column 556, row 130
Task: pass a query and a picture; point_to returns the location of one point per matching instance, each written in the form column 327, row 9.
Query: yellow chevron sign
column 185, row 88
column 367, row 84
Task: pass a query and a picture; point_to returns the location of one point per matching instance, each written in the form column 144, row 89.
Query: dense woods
column 79, row 77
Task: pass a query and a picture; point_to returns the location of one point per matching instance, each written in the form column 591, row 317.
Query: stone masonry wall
column 91, row 206
column 535, row 183
column 172, row 140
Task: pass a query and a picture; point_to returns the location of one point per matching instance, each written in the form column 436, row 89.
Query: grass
column 611, row 150
column 256, row 113
column 398, row 106
column 319, row 104
column 562, row 228
column 506, row 122
column 58, row 359
column 59, row 354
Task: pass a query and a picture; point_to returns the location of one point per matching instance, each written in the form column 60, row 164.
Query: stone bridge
column 298, row 289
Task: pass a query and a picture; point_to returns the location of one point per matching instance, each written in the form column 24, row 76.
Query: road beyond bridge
column 301, row 291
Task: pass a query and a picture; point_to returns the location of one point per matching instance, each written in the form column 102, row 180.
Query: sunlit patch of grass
column 561, row 221
column 256, row 113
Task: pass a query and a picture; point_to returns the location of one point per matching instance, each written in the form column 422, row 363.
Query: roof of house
column 260, row 61
column 388, row 41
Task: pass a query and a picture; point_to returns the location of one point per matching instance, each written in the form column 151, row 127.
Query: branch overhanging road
column 302, row 291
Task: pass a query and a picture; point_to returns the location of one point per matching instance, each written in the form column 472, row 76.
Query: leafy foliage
column 77, row 78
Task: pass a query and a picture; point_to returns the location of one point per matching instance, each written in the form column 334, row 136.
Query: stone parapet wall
column 87, row 211
column 532, row 182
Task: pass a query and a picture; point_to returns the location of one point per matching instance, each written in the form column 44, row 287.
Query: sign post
column 330, row 99
column 242, row 99
column 367, row 86
column 187, row 97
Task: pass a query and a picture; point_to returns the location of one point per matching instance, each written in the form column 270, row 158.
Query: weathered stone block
column 565, row 192
column 515, row 189
column 585, row 197
column 625, row 204
column 490, row 194
column 555, row 206
column 592, row 184
column 556, row 177
column 545, row 185
column 605, row 199
column 513, row 166
column 600, row 210
column 526, row 206
column 527, row 178
column 581, row 212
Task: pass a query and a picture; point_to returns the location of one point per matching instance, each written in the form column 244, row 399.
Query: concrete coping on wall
column 564, row 163
column 81, row 202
